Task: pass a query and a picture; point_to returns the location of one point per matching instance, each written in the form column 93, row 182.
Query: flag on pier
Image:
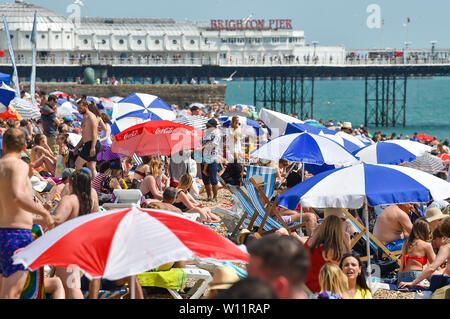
column 15, row 79
column 33, row 65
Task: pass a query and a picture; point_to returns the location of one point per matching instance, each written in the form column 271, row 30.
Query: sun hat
column 223, row 278
column 37, row 184
column 433, row 214
column 339, row 212
column 347, row 125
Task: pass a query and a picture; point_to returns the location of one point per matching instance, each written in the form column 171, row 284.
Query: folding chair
column 109, row 294
column 263, row 176
column 373, row 241
column 254, row 194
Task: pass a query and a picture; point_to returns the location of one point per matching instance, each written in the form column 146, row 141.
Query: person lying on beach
column 169, row 197
column 16, row 213
column 393, row 226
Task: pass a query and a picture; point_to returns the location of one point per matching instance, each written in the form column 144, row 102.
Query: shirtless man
column 89, row 139
column 393, row 224
column 16, row 209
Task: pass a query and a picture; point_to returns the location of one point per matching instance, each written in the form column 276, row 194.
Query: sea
column 427, row 104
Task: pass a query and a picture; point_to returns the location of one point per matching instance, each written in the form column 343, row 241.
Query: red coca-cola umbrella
column 157, row 138
column 445, row 158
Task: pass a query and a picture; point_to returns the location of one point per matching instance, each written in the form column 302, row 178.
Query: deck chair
column 109, row 294
column 373, row 241
column 263, row 176
column 157, row 279
column 125, row 198
column 255, row 195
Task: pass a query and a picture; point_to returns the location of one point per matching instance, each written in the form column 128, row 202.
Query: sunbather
column 169, row 197
column 188, row 204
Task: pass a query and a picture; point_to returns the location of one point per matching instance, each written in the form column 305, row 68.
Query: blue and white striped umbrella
column 305, row 148
column 392, row 152
column 348, row 187
column 245, row 124
column 66, row 108
column 137, row 108
column 350, row 142
column 6, row 94
column 243, row 107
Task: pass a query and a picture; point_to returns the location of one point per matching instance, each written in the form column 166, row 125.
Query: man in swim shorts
column 16, row 213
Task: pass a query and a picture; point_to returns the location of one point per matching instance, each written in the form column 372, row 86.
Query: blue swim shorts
column 12, row 239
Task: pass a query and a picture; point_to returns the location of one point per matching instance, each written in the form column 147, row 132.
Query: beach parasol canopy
column 427, row 163
column 199, row 105
column 137, row 108
column 244, row 108
column 392, row 152
column 276, row 121
column 7, row 94
column 156, row 138
column 424, row 137
column 348, row 187
column 59, row 94
column 126, row 242
column 248, row 126
column 305, row 148
column 66, row 108
column 196, row 121
column 25, row 108
column 445, row 158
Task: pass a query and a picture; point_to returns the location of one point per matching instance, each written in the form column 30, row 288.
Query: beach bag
column 59, row 166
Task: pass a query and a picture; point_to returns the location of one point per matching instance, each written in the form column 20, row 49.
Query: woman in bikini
column 42, row 156
column 141, row 172
column 188, row 204
column 417, row 251
column 154, row 184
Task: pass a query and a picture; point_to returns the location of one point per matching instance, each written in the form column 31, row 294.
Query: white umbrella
column 276, row 121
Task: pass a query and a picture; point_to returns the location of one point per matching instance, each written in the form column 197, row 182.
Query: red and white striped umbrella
column 126, row 242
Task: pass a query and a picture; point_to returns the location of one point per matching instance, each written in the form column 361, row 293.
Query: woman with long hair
column 154, row 184
column 42, row 156
column 417, row 251
column 141, row 171
column 353, row 268
column 188, row 204
column 105, row 135
column 81, row 201
column 333, row 283
column 328, row 243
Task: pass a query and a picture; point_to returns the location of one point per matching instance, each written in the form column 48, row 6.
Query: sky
column 330, row 22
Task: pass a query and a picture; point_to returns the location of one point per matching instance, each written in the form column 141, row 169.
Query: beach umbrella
column 251, row 115
column 107, row 103
column 199, row 105
column 305, row 148
column 424, row 137
column 248, row 126
column 427, row 163
column 126, row 242
column 366, row 184
column 59, row 94
column 94, row 99
column 445, row 158
column 74, row 139
column 244, row 108
column 137, row 108
column 7, row 94
column 366, row 140
column 156, row 138
column 116, row 98
column 392, row 152
column 25, row 108
column 315, row 124
column 196, row 121
column 66, row 108
column 276, row 121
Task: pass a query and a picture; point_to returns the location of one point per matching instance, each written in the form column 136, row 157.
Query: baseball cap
column 66, row 173
column 211, row 122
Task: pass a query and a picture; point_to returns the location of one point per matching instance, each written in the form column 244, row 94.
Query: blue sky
column 331, row 22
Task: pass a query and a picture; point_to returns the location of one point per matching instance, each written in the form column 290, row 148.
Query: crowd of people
column 48, row 178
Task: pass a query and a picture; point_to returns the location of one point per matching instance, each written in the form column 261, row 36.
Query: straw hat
column 433, row 214
column 347, row 125
column 223, row 278
column 339, row 212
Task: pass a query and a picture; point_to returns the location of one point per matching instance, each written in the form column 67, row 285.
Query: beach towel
column 34, row 286
column 173, row 278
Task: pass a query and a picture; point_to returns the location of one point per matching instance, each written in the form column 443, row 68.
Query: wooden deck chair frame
column 271, row 209
column 362, row 231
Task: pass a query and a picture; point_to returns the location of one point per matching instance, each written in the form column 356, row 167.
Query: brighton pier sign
column 231, row 25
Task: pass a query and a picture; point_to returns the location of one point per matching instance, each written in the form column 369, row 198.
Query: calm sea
column 428, row 104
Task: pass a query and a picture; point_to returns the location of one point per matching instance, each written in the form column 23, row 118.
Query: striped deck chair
column 375, row 244
column 255, row 194
column 263, row 176
column 109, row 294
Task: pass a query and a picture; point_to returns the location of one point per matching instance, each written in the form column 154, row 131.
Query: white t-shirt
column 212, row 140
column 233, row 146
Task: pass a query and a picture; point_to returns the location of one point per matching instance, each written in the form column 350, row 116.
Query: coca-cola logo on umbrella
column 167, row 130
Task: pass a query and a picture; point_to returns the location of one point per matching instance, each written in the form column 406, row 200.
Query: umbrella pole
column 369, row 267
column 301, row 205
column 133, row 287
